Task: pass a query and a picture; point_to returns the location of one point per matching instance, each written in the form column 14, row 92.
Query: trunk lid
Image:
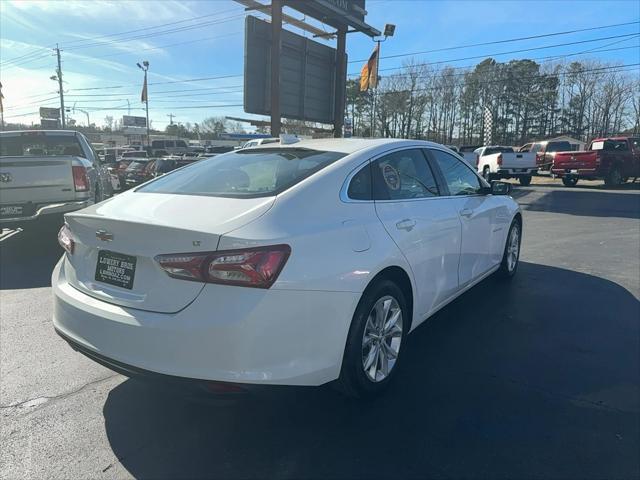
column 518, row 160
column 139, row 226
column 575, row 160
column 36, row 179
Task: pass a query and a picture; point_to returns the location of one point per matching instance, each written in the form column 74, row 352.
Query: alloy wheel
column 513, row 248
column 382, row 338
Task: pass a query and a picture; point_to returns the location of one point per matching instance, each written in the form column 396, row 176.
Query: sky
column 188, row 42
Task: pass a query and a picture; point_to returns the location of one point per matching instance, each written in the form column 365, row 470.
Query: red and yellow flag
column 369, row 72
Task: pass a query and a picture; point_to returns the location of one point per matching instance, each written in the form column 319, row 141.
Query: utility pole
column 276, row 32
column 59, row 74
column 1, row 109
column 170, row 115
column 145, row 94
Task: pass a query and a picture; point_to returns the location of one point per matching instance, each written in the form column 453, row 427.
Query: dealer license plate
column 116, row 269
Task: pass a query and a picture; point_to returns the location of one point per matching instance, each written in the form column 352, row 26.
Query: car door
column 478, row 213
column 424, row 225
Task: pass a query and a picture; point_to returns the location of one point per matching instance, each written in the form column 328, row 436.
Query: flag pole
column 374, row 90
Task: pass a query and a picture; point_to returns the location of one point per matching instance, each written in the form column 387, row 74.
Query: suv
column 170, row 146
column 613, row 159
column 546, row 152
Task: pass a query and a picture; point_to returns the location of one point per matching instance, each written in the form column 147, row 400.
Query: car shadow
column 507, row 381
column 28, row 257
column 591, row 203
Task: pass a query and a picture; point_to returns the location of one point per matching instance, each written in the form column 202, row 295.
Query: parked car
column 468, row 152
column 169, row 146
column 139, row 171
column 260, row 142
column 111, row 155
column 453, row 148
column 293, row 264
column 134, row 154
column 218, row 149
column 502, row 162
column 545, row 152
column 613, row 159
column 47, row 172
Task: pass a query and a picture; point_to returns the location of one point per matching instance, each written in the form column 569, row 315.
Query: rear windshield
column 135, row 166
column 492, row 150
column 244, row 173
column 617, row 145
column 40, row 145
column 134, row 154
column 558, row 147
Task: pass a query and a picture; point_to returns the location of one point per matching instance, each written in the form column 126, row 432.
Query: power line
column 497, row 54
column 155, row 34
column 508, row 40
column 187, row 80
column 167, row 46
column 151, row 28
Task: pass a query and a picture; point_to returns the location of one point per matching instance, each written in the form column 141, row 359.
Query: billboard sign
column 50, row 113
column 130, row 121
column 338, row 13
column 49, row 123
column 307, row 75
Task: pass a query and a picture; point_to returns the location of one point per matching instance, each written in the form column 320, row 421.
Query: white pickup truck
column 48, row 172
column 495, row 162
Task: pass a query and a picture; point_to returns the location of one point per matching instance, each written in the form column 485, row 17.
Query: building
column 575, row 143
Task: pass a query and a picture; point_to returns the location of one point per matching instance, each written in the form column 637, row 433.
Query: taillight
column 65, row 239
column 252, row 267
column 477, row 159
column 500, row 159
column 598, row 158
column 80, row 180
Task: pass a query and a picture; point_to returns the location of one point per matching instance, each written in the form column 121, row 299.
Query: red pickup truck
column 614, row 159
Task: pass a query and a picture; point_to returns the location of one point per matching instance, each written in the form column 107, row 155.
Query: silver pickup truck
column 47, row 172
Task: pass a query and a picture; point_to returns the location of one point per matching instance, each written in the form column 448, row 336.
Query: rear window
column 135, row 154
column 558, row 147
column 244, row 173
column 610, row 145
column 492, row 150
column 40, row 146
column 136, row 166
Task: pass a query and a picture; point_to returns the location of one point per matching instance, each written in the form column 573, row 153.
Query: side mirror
column 500, row 188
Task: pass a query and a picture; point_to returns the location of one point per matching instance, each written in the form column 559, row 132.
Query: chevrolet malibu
column 297, row 264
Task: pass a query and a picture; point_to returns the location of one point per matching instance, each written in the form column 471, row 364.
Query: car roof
column 347, row 145
column 617, row 139
column 45, row 132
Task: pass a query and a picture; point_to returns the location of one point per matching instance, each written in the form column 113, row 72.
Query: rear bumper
column 227, row 334
column 517, row 172
column 574, row 172
column 50, row 209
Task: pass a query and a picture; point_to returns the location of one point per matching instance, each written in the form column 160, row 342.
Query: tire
column 569, row 181
column 613, row 178
column 364, row 337
column 486, row 174
column 525, row 180
column 509, row 265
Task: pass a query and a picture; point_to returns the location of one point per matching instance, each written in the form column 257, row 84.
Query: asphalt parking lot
column 536, row 379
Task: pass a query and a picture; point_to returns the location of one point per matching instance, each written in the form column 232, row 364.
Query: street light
column 145, row 94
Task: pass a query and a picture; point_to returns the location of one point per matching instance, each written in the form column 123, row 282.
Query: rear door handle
column 466, row 212
column 406, row 224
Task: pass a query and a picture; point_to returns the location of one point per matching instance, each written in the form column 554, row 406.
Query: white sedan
column 282, row 265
